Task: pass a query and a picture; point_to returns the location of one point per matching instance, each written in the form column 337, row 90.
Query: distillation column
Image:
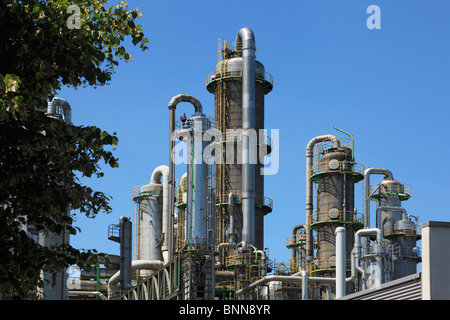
column 196, row 209
column 239, row 112
column 399, row 231
column 335, row 173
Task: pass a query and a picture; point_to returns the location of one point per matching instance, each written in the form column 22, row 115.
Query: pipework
column 357, row 256
column 168, row 239
column 340, row 262
column 53, row 112
column 309, row 189
column 246, row 37
column 366, row 199
column 158, row 173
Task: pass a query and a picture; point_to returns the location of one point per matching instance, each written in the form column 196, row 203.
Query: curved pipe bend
column 59, row 102
column 135, row 265
column 158, row 172
column 186, row 98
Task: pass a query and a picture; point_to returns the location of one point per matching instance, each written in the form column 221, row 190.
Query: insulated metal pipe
column 168, row 239
column 86, row 285
column 59, row 102
column 135, row 265
column 246, row 37
column 366, row 185
column 340, row 262
column 231, row 213
column 309, row 189
column 305, row 295
column 389, row 208
column 301, row 279
column 89, row 293
column 357, row 252
column 296, row 240
column 158, row 172
column 366, row 199
column 186, row 98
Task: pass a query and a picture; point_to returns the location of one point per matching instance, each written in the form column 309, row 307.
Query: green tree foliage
column 42, row 159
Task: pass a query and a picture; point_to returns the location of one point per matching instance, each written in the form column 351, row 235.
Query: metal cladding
column 54, row 112
column 151, row 213
column 199, row 203
column 150, row 226
column 168, row 239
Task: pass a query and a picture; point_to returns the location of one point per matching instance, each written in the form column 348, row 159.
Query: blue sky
column 387, row 87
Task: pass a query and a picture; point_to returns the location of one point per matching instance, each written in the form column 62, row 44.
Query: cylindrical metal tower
column 151, row 211
column 335, row 203
column 228, row 85
column 335, row 173
column 148, row 221
column 399, row 231
column 200, row 203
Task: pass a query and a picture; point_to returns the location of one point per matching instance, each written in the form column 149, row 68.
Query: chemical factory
column 198, row 228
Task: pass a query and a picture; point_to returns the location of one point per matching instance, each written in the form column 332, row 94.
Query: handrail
column 236, row 72
column 337, row 216
column 342, row 166
column 391, row 188
column 264, row 201
column 298, row 239
column 150, row 190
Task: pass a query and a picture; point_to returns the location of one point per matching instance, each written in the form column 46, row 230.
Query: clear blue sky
column 390, row 88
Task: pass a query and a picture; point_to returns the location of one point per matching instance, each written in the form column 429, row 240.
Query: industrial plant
column 197, row 232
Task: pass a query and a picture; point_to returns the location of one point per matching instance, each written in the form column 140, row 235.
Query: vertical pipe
column 305, row 295
column 125, row 253
column 245, row 35
column 231, row 213
column 158, row 172
column 167, row 247
column 366, row 199
column 97, row 285
column 357, row 252
column 340, row 262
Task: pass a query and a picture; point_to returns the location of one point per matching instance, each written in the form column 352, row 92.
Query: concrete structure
column 435, row 260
